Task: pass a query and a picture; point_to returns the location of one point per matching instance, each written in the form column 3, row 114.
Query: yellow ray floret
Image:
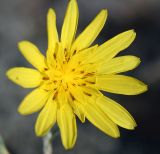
column 120, row 84
column 47, row 117
column 70, row 25
column 119, row 65
column 33, row 102
column 29, row 50
column 86, row 38
column 69, row 80
column 67, row 124
column 25, row 77
column 52, row 35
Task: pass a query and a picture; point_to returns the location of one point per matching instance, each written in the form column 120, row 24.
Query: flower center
column 67, row 72
column 67, row 77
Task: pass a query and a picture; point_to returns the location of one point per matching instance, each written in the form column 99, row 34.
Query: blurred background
column 26, row 20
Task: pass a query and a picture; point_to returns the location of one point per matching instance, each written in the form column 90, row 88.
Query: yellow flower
column 69, row 80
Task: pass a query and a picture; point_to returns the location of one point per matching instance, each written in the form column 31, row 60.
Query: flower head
column 69, row 80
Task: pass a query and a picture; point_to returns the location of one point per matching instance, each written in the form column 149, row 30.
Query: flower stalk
column 47, row 146
column 3, row 149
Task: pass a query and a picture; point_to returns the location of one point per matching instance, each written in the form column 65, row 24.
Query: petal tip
column 38, row 133
column 116, row 135
column 145, row 88
column 132, row 126
column 68, row 147
column 8, row 72
column 73, row 2
column 21, row 111
column 51, row 11
column 104, row 12
column 137, row 61
column 19, row 45
column 22, row 44
column 133, row 32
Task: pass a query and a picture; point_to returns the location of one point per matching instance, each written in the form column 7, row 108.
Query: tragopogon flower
column 69, row 80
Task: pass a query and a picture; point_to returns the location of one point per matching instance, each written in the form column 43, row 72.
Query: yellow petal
column 67, row 124
column 77, row 93
column 120, row 84
column 60, row 57
column 81, row 58
column 116, row 112
column 46, row 118
column 70, row 24
column 33, row 102
column 25, row 77
column 78, row 110
column 100, row 120
column 62, row 97
column 111, row 48
column 86, row 38
column 75, row 96
column 119, row 64
column 52, row 30
column 32, row 54
column 52, row 35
